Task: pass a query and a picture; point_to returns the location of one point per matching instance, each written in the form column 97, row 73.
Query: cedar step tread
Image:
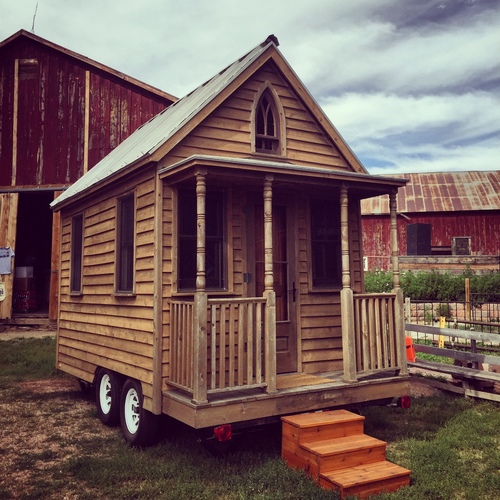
column 365, row 474
column 342, row 445
column 306, row 420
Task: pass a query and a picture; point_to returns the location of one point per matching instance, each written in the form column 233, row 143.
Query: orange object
column 410, row 351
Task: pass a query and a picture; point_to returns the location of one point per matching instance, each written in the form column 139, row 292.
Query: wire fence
column 473, row 315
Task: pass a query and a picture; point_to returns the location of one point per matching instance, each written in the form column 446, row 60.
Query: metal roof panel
column 154, row 133
column 442, row 192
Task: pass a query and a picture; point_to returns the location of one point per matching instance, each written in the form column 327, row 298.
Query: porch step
column 365, row 480
column 332, row 447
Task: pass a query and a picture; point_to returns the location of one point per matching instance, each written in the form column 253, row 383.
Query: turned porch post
column 269, row 293
column 346, row 294
column 396, row 280
column 200, row 297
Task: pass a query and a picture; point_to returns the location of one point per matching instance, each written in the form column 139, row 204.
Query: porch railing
column 378, row 335
column 236, row 346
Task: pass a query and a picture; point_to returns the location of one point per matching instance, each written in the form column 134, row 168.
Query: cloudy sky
column 412, row 85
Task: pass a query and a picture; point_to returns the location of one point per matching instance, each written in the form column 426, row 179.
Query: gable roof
column 154, row 139
column 23, row 34
column 441, row 192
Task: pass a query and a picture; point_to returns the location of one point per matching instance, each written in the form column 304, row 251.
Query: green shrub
column 435, row 286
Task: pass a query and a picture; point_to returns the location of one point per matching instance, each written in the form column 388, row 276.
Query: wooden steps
column 331, row 446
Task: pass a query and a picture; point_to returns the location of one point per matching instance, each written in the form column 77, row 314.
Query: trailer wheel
column 139, row 426
column 107, row 396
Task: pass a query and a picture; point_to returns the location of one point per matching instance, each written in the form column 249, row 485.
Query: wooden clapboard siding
column 321, row 332
column 99, row 327
column 227, row 131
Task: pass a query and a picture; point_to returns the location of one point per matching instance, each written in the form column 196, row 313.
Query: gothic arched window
column 267, row 133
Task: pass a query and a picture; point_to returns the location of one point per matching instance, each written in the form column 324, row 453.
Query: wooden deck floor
column 294, row 380
column 296, row 392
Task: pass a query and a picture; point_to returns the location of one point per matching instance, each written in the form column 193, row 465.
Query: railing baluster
column 258, row 343
column 391, row 333
column 241, row 346
column 365, row 335
column 222, row 347
column 232, row 361
column 378, row 332
column 384, row 325
column 250, row 344
column 213, row 348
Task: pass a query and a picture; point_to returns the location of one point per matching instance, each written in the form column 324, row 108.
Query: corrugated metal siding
column 442, row 192
column 51, row 114
column 484, row 231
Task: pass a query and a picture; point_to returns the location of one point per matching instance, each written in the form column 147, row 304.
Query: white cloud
column 410, row 85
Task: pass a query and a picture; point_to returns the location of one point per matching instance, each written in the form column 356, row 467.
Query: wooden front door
column 284, row 280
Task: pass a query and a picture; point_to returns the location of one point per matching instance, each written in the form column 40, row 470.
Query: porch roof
column 365, row 185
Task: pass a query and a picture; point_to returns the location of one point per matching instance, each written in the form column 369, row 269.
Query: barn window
column 76, row 254
column 215, row 273
column 325, row 245
column 125, row 244
column 267, row 130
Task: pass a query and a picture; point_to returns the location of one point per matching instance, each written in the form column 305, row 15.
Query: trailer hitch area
column 223, row 432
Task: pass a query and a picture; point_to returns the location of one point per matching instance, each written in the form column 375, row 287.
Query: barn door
column 284, row 280
column 8, row 224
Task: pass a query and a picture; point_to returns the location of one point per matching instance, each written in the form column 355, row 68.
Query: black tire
column 139, row 426
column 108, row 387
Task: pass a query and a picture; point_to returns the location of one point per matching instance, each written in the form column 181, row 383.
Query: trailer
column 212, row 264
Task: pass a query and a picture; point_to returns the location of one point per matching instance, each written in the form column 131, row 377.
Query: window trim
column 76, row 258
column 120, row 289
column 268, row 91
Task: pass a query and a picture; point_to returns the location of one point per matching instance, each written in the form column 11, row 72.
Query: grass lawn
column 53, row 446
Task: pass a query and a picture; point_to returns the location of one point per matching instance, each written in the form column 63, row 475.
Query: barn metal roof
column 154, row 133
column 442, row 192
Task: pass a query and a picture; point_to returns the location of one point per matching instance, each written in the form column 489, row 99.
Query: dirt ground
column 46, row 423
column 26, row 332
column 420, row 387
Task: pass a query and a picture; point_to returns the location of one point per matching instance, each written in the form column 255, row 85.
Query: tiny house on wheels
column 211, row 264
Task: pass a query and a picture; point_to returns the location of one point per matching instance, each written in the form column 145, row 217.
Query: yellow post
column 467, row 299
column 442, row 324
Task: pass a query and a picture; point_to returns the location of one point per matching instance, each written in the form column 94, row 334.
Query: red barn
column 60, row 113
column 446, row 221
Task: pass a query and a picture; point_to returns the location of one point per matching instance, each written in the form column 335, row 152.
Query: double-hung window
column 215, row 272
column 125, row 244
column 76, row 254
column 325, row 245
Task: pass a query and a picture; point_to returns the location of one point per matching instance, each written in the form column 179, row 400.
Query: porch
column 232, row 355
column 223, row 351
